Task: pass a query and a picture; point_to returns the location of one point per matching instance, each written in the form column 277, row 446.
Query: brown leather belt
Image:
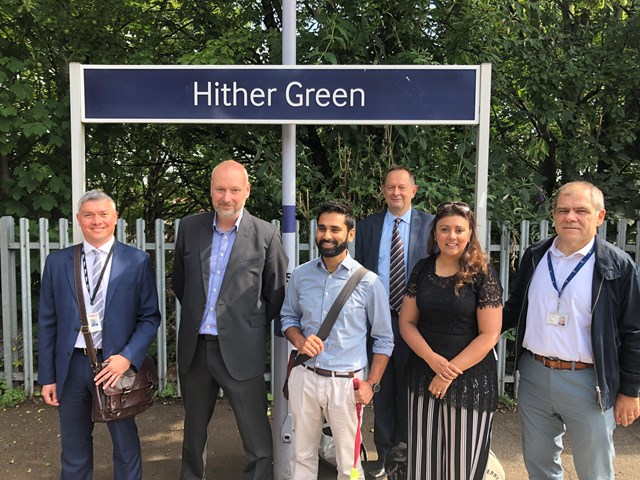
column 330, row 373
column 558, row 364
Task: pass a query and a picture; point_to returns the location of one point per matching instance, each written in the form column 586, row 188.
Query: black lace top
column 448, row 323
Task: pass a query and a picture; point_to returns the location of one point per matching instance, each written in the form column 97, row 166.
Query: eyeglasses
column 455, row 206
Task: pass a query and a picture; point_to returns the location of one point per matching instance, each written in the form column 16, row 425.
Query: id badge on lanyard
column 556, row 318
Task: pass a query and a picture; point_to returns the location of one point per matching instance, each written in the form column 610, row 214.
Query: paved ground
column 30, row 445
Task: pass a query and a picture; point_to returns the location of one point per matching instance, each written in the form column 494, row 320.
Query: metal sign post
column 283, row 422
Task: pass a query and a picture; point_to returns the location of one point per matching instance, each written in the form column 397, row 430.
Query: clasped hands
column 446, row 372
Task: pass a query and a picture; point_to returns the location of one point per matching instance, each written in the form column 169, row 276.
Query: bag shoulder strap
column 84, row 323
column 336, row 307
column 339, row 302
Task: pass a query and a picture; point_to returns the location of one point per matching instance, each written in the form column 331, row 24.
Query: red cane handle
column 356, row 383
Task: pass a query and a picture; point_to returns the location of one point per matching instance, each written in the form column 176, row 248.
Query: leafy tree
column 566, row 78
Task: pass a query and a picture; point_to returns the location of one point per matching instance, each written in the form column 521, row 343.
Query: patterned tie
column 98, row 301
column 396, row 268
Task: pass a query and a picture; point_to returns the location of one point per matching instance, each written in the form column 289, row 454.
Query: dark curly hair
column 473, row 261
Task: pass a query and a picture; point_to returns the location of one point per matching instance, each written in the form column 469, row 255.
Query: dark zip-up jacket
column 615, row 319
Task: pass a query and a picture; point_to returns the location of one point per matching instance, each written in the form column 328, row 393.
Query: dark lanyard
column 86, row 274
column 571, row 275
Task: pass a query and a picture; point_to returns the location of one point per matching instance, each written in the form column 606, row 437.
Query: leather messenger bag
column 134, row 391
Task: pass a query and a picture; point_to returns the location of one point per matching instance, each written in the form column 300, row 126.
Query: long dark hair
column 473, row 261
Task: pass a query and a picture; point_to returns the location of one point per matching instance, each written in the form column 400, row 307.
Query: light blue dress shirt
column 221, row 245
column 310, row 294
column 385, row 245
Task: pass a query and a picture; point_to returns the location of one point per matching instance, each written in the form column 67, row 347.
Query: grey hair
column 92, row 195
column 597, row 198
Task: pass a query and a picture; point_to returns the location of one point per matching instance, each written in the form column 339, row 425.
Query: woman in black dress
column 451, row 317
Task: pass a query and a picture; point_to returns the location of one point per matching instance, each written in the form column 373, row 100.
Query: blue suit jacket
column 131, row 315
column 369, row 231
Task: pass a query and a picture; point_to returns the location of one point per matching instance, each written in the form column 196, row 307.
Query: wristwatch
column 375, row 387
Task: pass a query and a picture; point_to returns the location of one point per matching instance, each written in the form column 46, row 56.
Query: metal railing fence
column 19, row 282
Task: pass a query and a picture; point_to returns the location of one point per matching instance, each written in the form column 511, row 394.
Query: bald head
column 229, row 191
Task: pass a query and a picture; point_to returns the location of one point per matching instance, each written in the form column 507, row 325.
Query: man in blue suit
column 373, row 250
column 122, row 308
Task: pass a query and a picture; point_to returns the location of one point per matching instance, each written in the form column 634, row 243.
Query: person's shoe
column 377, row 471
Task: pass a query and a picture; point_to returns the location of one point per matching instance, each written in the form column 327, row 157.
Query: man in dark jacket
column 575, row 307
column 374, row 251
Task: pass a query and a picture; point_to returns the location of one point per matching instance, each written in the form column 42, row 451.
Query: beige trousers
column 312, row 399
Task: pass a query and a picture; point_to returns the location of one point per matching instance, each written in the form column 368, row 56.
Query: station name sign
column 281, row 94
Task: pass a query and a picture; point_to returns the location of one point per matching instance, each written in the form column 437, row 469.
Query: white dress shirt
column 571, row 342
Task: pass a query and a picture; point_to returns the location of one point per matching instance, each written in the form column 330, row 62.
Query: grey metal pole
column 78, row 167
column 283, row 431
column 482, row 153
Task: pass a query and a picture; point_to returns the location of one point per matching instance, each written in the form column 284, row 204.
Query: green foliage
column 508, row 403
column 170, row 391
column 566, row 77
column 10, row 397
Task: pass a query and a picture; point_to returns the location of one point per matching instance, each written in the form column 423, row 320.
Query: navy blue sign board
column 287, row 95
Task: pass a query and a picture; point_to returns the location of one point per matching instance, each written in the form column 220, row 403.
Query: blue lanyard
column 571, row 275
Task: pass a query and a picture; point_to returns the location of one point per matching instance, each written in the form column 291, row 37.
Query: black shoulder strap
column 336, row 307
column 84, row 323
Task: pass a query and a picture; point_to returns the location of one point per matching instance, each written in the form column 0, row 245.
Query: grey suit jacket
column 251, row 294
column 369, row 231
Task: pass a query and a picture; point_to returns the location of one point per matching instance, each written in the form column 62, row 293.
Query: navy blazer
column 369, row 231
column 131, row 314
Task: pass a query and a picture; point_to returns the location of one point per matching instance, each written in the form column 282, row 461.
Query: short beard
column 333, row 251
column 235, row 211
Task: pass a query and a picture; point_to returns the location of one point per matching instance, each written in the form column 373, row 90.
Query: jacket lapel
column 119, row 261
column 70, row 265
column 205, row 237
column 376, row 225
column 240, row 247
column 414, row 232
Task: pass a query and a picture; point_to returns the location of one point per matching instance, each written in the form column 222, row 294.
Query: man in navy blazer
column 229, row 274
column 122, row 332
column 373, row 250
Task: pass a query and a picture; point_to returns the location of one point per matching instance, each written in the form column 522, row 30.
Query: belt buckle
column 556, row 364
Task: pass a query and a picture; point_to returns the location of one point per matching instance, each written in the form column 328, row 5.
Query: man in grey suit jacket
column 229, row 275
column 373, row 250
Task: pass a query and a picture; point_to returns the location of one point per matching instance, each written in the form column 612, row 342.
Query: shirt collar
column 103, row 248
column 582, row 252
column 346, row 263
column 236, row 224
column 390, row 217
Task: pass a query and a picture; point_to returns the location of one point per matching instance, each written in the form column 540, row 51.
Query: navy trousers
column 390, row 420
column 76, row 428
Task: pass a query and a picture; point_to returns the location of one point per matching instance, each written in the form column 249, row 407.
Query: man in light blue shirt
column 323, row 387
